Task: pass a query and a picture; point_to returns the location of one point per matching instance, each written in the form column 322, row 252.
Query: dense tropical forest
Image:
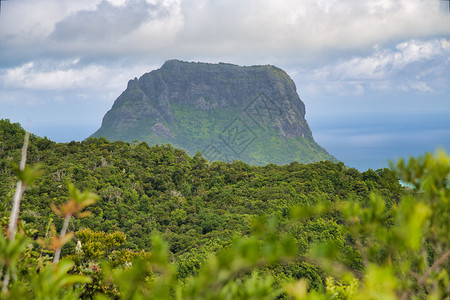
column 102, row 220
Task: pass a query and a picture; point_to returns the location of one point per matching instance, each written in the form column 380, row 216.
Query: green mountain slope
column 227, row 112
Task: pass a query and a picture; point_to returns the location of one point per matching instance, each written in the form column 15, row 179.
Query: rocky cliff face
column 226, row 111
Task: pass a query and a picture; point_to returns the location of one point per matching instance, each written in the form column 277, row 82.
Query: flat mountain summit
column 225, row 111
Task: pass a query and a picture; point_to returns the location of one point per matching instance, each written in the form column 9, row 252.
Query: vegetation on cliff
column 227, row 112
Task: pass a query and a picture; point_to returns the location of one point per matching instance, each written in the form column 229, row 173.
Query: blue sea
column 370, row 140
column 360, row 141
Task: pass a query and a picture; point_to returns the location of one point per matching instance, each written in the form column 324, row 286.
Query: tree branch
column 62, row 235
column 20, row 189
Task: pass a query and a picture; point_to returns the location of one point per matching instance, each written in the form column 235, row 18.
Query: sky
column 374, row 75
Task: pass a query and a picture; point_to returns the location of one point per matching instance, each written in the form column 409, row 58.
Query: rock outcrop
column 225, row 111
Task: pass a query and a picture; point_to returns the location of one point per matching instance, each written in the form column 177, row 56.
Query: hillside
column 227, row 112
column 196, row 205
column 171, row 226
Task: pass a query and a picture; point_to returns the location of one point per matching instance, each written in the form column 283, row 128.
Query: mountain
column 227, row 112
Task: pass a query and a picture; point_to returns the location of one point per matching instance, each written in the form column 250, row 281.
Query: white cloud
column 421, row 86
column 70, row 75
column 385, row 62
column 31, row 77
column 412, row 65
column 445, row 44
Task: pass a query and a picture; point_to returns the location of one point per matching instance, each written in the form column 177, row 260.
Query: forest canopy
column 184, row 227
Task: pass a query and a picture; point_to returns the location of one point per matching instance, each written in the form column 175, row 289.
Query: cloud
column 70, row 75
column 421, row 86
column 31, row 76
column 412, row 65
column 118, row 30
column 106, row 23
column 40, row 20
column 88, row 29
column 246, row 32
column 294, row 28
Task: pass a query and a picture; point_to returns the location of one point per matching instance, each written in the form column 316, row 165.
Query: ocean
column 363, row 142
column 368, row 141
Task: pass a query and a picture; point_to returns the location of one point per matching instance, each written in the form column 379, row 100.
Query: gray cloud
column 87, row 29
column 106, row 23
column 246, row 32
column 297, row 28
column 136, row 27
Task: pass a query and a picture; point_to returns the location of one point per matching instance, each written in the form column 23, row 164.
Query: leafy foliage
column 194, row 204
column 169, row 226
